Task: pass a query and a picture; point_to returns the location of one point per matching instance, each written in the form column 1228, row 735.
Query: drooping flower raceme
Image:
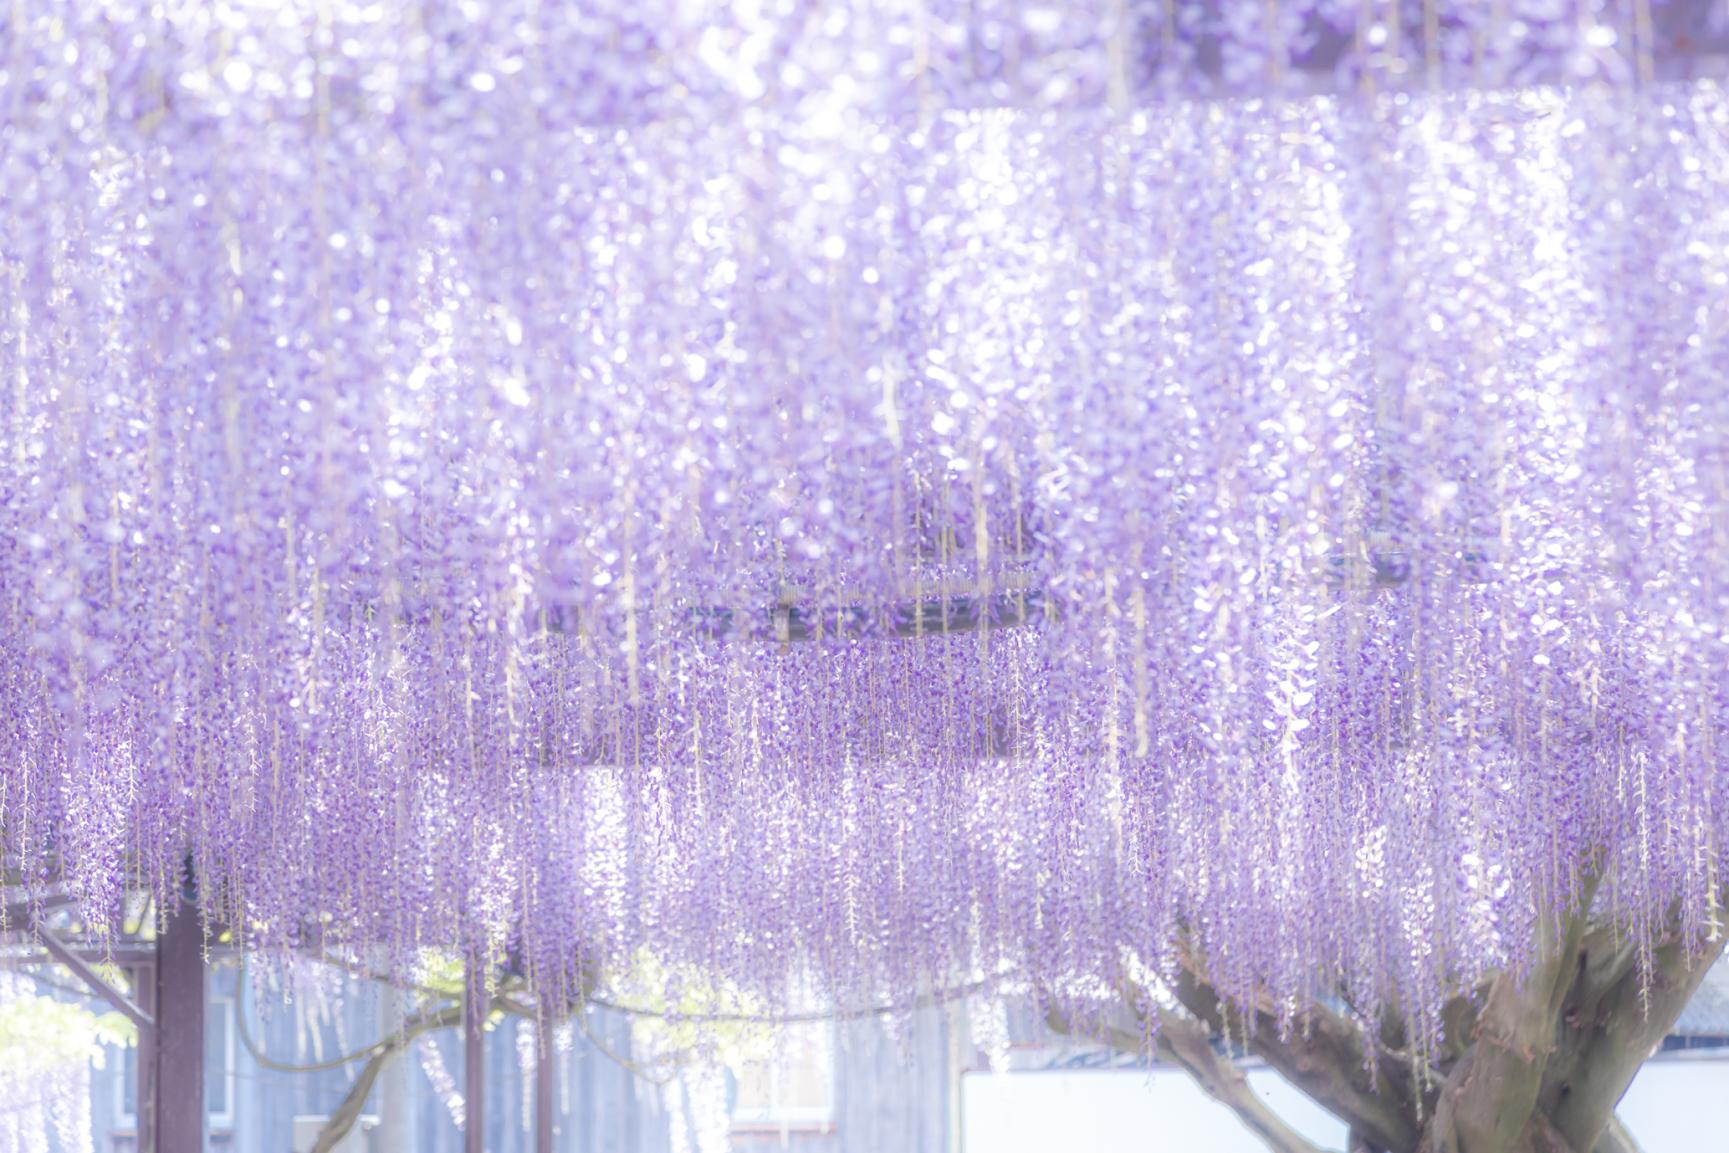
column 894, row 494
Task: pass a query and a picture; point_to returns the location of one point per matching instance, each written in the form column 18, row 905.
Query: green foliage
column 441, row 971
column 684, row 1013
column 41, row 1032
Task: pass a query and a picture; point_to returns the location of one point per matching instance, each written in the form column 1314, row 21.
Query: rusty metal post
column 172, row 1093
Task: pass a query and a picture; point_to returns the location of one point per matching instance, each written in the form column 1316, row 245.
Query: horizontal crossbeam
column 69, row 957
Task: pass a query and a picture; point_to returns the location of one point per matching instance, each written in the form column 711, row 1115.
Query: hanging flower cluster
column 904, row 489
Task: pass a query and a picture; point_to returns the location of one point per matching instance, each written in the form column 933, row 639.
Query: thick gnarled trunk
column 1536, row 1061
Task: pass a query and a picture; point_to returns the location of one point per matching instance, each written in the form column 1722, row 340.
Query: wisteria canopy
column 896, row 491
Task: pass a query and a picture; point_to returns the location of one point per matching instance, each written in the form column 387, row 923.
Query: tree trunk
column 1534, row 1062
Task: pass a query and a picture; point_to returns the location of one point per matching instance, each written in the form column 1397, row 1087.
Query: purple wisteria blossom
column 895, row 490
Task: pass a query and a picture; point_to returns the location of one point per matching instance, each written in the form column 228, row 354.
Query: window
column 219, row 1062
column 792, row 1088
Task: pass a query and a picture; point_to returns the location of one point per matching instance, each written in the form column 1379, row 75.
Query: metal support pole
column 144, row 1085
column 176, row 1082
column 543, row 1079
column 474, row 1008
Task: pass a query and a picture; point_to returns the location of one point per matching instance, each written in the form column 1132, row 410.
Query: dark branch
column 1187, row 1044
column 346, row 1114
column 1616, row 1139
column 1324, row 1058
column 1490, row 1096
column 1626, row 1025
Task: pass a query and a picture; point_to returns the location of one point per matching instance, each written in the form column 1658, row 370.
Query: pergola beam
column 25, row 913
column 69, row 957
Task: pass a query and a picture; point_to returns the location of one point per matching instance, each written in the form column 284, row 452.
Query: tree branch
column 1607, row 960
column 1627, row 1026
column 1458, row 1023
column 1616, row 1139
column 1187, row 1044
column 1325, row 1059
column 1490, row 1096
column 336, row 1127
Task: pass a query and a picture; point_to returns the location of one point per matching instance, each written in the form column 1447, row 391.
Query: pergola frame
column 167, row 1006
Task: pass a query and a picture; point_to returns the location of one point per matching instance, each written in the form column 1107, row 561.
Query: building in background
column 946, row 1079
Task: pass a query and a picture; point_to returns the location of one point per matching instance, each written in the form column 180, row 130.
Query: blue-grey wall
column 894, row 1088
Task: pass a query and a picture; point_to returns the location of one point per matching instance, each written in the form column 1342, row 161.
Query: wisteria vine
column 897, row 490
